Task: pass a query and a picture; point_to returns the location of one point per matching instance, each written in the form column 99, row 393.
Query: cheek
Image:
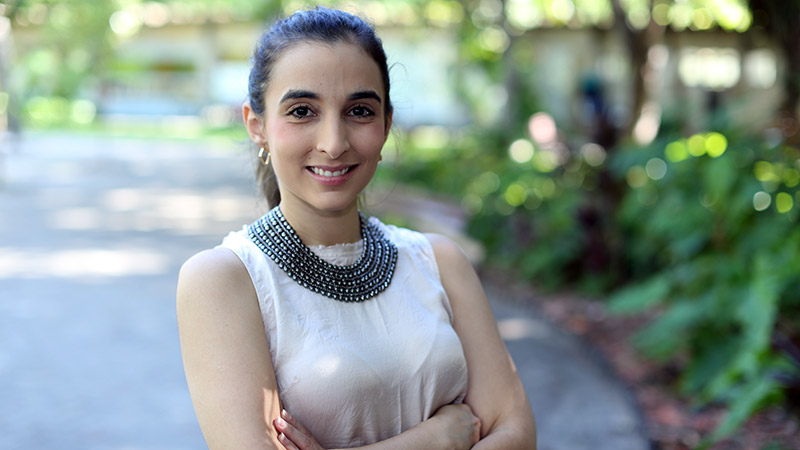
column 284, row 137
column 373, row 138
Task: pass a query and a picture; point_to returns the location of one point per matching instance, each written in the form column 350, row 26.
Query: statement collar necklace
column 362, row 280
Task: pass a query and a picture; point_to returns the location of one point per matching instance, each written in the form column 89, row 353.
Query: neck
column 326, row 228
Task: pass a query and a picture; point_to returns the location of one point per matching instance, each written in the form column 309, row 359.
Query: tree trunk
column 781, row 21
column 637, row 46
column 791, row 52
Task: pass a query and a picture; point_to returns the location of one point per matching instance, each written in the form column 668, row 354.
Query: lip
column 332, row 180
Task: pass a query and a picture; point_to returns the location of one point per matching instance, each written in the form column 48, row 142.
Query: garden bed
column 673, row 423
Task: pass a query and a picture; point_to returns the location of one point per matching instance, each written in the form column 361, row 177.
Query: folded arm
column 231, row 377
column 223, row 342
column 452, row 427
column 494, row 392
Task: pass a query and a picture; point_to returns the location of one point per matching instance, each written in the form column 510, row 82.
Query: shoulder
column 212, row 275
column 456, row 272
column 448, row 254
column 215, row 263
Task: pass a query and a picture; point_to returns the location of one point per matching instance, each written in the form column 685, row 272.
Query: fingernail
column 281, row 422
column 286, row 414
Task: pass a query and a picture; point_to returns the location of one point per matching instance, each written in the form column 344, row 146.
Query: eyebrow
column 365, row 95
column 296, row 93
column 299, row 93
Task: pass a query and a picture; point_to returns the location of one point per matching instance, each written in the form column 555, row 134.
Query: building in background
column 191, row 66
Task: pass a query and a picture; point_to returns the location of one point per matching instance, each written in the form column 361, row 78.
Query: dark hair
column 329, row 26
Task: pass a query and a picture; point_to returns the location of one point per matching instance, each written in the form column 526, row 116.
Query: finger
column 286, row 442
column 303, row 440
column 292, row 420
column 465, row 407
column 476, row 427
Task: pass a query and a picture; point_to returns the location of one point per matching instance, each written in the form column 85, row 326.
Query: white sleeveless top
column 359, row 373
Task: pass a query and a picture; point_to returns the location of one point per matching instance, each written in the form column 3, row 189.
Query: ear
column 388, row 127
column 254, row 124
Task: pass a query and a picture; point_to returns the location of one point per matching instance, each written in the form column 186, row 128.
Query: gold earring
column 265, row 161
column 380, row 157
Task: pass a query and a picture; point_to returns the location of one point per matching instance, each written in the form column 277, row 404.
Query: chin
column 335, row 205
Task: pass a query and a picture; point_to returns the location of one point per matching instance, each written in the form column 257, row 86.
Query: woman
column 315, row 327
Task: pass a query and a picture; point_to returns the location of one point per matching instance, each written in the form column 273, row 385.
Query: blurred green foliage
column 714, row 245
column 701, row 229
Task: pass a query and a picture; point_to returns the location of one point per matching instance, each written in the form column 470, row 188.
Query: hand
column 293, row 435
column 463, row 428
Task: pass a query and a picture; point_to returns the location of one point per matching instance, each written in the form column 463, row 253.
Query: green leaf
column 707, row 363
column 669, row 333
column 748, row 401
column 641, row 296
column 757, row 312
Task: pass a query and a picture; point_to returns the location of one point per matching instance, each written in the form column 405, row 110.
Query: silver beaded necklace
column 362, row 280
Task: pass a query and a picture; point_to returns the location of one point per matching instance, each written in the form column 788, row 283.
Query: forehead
column 327, row 70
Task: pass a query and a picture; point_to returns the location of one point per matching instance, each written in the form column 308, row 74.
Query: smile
column 328, row 173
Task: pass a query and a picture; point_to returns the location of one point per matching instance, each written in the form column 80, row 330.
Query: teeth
column 328, row 173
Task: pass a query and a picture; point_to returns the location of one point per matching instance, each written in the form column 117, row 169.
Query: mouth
column 327, row 173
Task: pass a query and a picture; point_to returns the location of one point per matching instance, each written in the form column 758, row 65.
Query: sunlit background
column 643, row 152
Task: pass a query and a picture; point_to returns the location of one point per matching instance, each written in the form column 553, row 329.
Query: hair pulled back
column 328, row 26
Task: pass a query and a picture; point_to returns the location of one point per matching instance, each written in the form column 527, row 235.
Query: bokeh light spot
column 784, row 202
column 545, row 161
column 486, row 183
column 639, row 17
column 125, row 23
column 494, row 39
column 716, row 144
column 676, row 151
column 523, row 14
column 515, row 194
column 696, row 145
column 764, row 172
column 521, row 151
column 593, row 154
column 656, row 168
column 636, row 177
column 542, row 188
column 661, row 14
column 472, row 203
column 83, row 112
column 791, row 177
column 681, row 15
column 542, row 128
column 562, row 10
column 702, row 19
column 761, row 201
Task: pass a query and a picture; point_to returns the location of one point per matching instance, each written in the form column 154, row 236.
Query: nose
column 332, row 138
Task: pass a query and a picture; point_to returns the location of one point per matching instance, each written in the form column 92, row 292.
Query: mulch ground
column 672, row 422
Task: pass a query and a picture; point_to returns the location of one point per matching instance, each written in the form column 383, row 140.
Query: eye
column 361, row 111
column 301, row 112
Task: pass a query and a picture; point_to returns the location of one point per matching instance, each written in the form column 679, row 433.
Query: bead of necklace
column 367, row 277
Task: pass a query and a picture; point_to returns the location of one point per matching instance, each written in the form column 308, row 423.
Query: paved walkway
column 92, row 233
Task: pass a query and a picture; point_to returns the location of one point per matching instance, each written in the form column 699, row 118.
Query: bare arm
column 495, row 392
column 225, row 353
column 232, row 382
column 452, row 427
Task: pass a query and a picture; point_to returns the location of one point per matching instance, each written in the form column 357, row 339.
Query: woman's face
column 324, row 124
